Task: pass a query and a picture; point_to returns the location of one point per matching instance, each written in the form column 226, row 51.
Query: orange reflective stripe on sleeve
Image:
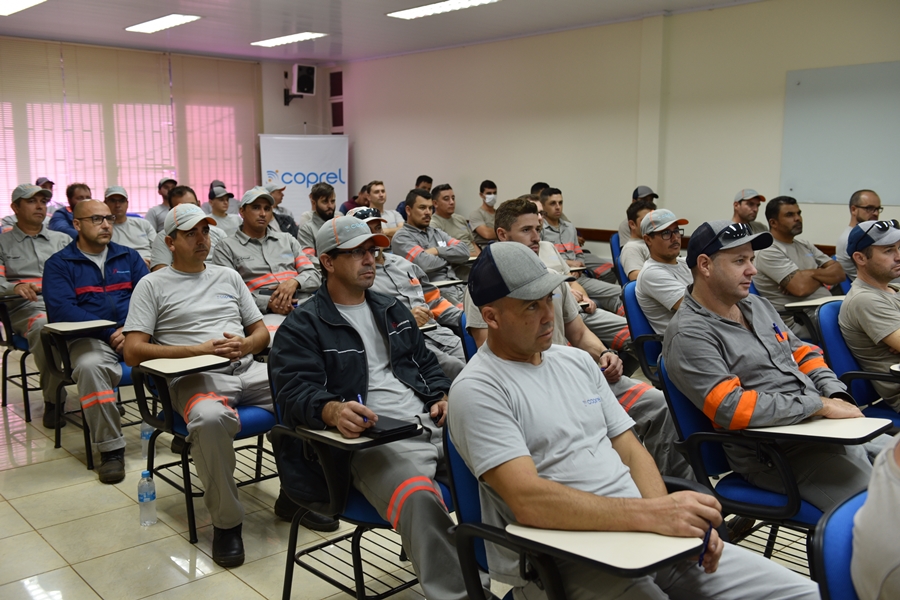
column 744, row 411
column 414, row 252
column 801, row 352
column 812, row 364
column 442, row 306
column 715, row 397
column 309, row 251
column 432, row 295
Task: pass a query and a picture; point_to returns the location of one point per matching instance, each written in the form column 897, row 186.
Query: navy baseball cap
column 643, row 191
column 511, row 269
column 878, row 233
column 713, row 236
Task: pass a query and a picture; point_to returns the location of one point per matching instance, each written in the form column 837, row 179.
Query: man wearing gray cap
column 161, row 254
column 350, row 355
column 219, row 208
column 277, row 272
column 731, row 353
column 192, row 309
column 641, row 192
column 137, row 234
column 23, row 251
column 551, row 447
column 746, row 207
column 156, row 216
column 661, row 282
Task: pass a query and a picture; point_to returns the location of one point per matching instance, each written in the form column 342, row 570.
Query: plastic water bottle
column 146, row 432
column 147, row 499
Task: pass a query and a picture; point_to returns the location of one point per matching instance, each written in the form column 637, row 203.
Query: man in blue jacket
column 63, row 220
column 92, row 278
column 349, row 355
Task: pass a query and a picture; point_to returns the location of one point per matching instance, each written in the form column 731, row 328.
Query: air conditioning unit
column 304, row 83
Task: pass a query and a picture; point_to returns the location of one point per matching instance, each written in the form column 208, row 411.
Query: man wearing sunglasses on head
column 731, row 353
column 865, row 206
column 91, row 279
column 661, row 282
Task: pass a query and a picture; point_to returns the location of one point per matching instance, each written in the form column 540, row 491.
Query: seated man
column 792, row 269
column 537, row 424
column 218, row 208
column 161, row 253
column 635, row 251
column 481, row 220
column 746, row 207
column 92, row 279
column 407, row 282
column 132, row 232
column 433, row 250
column 875, row 566
column 157, row 213
column 346, row 357
column 865, row 205
column 193, row 309
column 377, row 198
column 275, row 269
column 455, row 225
column 423, row 182
column 360, row 200
column 321, row 197
column 23, row 251
column 62, row 220
column 870, row 314
column 517, row 222
column 641, row 192
column 733, row 356
column 661, row 283
column 282, row 217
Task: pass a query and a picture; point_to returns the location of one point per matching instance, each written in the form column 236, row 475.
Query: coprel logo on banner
column 298, row 162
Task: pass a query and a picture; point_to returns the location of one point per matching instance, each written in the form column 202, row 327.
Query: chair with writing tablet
column 13, row 342
column 647, row 343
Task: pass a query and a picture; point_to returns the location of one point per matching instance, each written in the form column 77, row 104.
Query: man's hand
column 684, row 514
column 350, row 418
column 432, row 251
column 713, row 553
column 117, row 340
column 611, row 365
column 422, row 314
column 439, row 411
column 281, row 300
column 834, row 408
column 591, row 306
column 231, row 347
column 575, row 263
column 29, row 291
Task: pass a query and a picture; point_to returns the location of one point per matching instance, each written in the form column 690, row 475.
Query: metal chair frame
column 13, row 342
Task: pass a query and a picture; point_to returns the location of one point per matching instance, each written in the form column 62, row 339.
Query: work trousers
column 612, row 329
column 28, row 320
column 598, row 268
column 96, row 370
column 207, row 401
column 447, row 348
column 608, row 296
column 273, row 321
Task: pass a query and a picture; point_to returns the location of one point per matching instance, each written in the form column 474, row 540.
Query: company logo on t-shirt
column 590, row 401
column 224, row 297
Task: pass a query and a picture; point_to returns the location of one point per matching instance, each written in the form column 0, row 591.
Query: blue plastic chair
column 846, row 367
column 469, row 345
column 834, row 550
column 753, row 289
column 616, row 250
column 14, row 342
column 647, row 343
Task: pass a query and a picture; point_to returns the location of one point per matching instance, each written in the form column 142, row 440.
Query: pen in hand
column 705, row 545
column 359, row 399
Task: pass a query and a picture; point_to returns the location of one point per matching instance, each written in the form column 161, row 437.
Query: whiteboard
column 842, row 133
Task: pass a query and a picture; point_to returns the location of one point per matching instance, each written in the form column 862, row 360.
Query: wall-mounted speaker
column 304, row 83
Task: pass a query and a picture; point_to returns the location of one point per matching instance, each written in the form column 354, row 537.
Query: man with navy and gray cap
column 641, row 192
column 661, row 282
column 746, row 207
column 552, row 448
column 137, row 234
column 343, row 359
column 730, row 352
column 870, row 314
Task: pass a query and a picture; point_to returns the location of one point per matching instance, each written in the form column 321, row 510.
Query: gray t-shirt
column 156, row 216
column 624, row 233
column 184, row 309
column 98, row 259
column 230, row 223
column 634, row 254
column 386, row 395
column 868, row 315
column 561, row 413
column 137, row 234
column 456, row 227
column 477, row 218
column 659, row 287
column 840, row 253
column 875, row 565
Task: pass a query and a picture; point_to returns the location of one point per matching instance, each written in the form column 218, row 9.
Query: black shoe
column 285, row 509
column 739, row 527
column 49, row 420
column 177, row 445
column 112, row 466
column 121, row 409
column 228, row 547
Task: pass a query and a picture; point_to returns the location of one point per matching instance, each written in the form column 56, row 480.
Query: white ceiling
column 357, row 29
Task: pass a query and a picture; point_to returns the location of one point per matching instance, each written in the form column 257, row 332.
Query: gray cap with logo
column 344, row 233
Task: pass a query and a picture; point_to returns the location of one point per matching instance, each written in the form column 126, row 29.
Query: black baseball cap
column 713, row 236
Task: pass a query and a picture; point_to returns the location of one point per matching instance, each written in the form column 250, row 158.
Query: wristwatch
column 608, row 351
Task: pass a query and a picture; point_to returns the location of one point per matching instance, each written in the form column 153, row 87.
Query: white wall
column 289, row 120
column 691, row 104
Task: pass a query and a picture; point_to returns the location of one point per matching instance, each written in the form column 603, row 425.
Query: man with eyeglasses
column 193, row 309
column 865, row 205
column 870, row 314
column 350, row 355
column 746, row 207
column 665, row 275
column 93, row 279
column 793, row 269
column 730, row 352
column 137, row 234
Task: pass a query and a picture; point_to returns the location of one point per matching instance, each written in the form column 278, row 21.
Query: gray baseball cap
column 254, row 193
column 343, row 233
column 184, row 217
column 274, row 186
column 42, row 180
column 164, row 181
column 659, row 219
column 747, row 194
column 27, row 190
column 511, row 269
column 115, row 190
column 218, row 192
column 643, row 191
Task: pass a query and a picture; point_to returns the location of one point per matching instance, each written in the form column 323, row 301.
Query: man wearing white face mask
column 481, row 220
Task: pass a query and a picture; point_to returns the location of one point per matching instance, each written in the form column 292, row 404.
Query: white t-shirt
column 98, row 259
column 659, row 287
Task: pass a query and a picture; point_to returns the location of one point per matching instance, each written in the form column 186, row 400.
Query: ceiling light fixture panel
column 289, row 39
column 161, row 23
column 8, row 7
column 437, row 9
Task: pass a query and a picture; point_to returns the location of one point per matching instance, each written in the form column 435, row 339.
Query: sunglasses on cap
column 735, row 231
column 366, row 213
column 884, row 225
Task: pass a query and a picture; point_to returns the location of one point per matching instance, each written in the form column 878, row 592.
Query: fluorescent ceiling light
column 437, row 9
column 289, row 39
column 162, row 23
column 8, row 7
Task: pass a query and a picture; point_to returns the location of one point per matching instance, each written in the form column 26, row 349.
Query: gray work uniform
column 634, row 254
column 22, row 259
column 411, row 242
column 184, row 309
column 565, row 239
column 137, row 234
column 306, row 235
column 264, row 263
column 760, row 377
column 156, row 216
column 401, row 279
column 457, row 227
column 660, row 286
column 160, row 255
column 478, row 218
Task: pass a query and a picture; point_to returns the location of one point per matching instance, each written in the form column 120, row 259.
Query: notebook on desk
column 386, row 426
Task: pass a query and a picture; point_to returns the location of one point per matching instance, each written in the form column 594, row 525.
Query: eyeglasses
column 872, row 209
column 97, row 219
column 365, row 213
column 359, row 253
column 884, row 225
column 667, row 234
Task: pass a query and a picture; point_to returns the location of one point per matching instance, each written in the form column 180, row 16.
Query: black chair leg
column 188, row 492
column 291, row 555
column 23, row 374
column 5, row 373
column 60, row 410
column 259, row 456
column 88, row 448
column 770, row 543
column 358, row 575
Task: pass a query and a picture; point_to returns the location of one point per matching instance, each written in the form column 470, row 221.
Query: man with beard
column 661, row 282
column 321, row 197
column 746, row 207
column 792, row 269
column 865, row 205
